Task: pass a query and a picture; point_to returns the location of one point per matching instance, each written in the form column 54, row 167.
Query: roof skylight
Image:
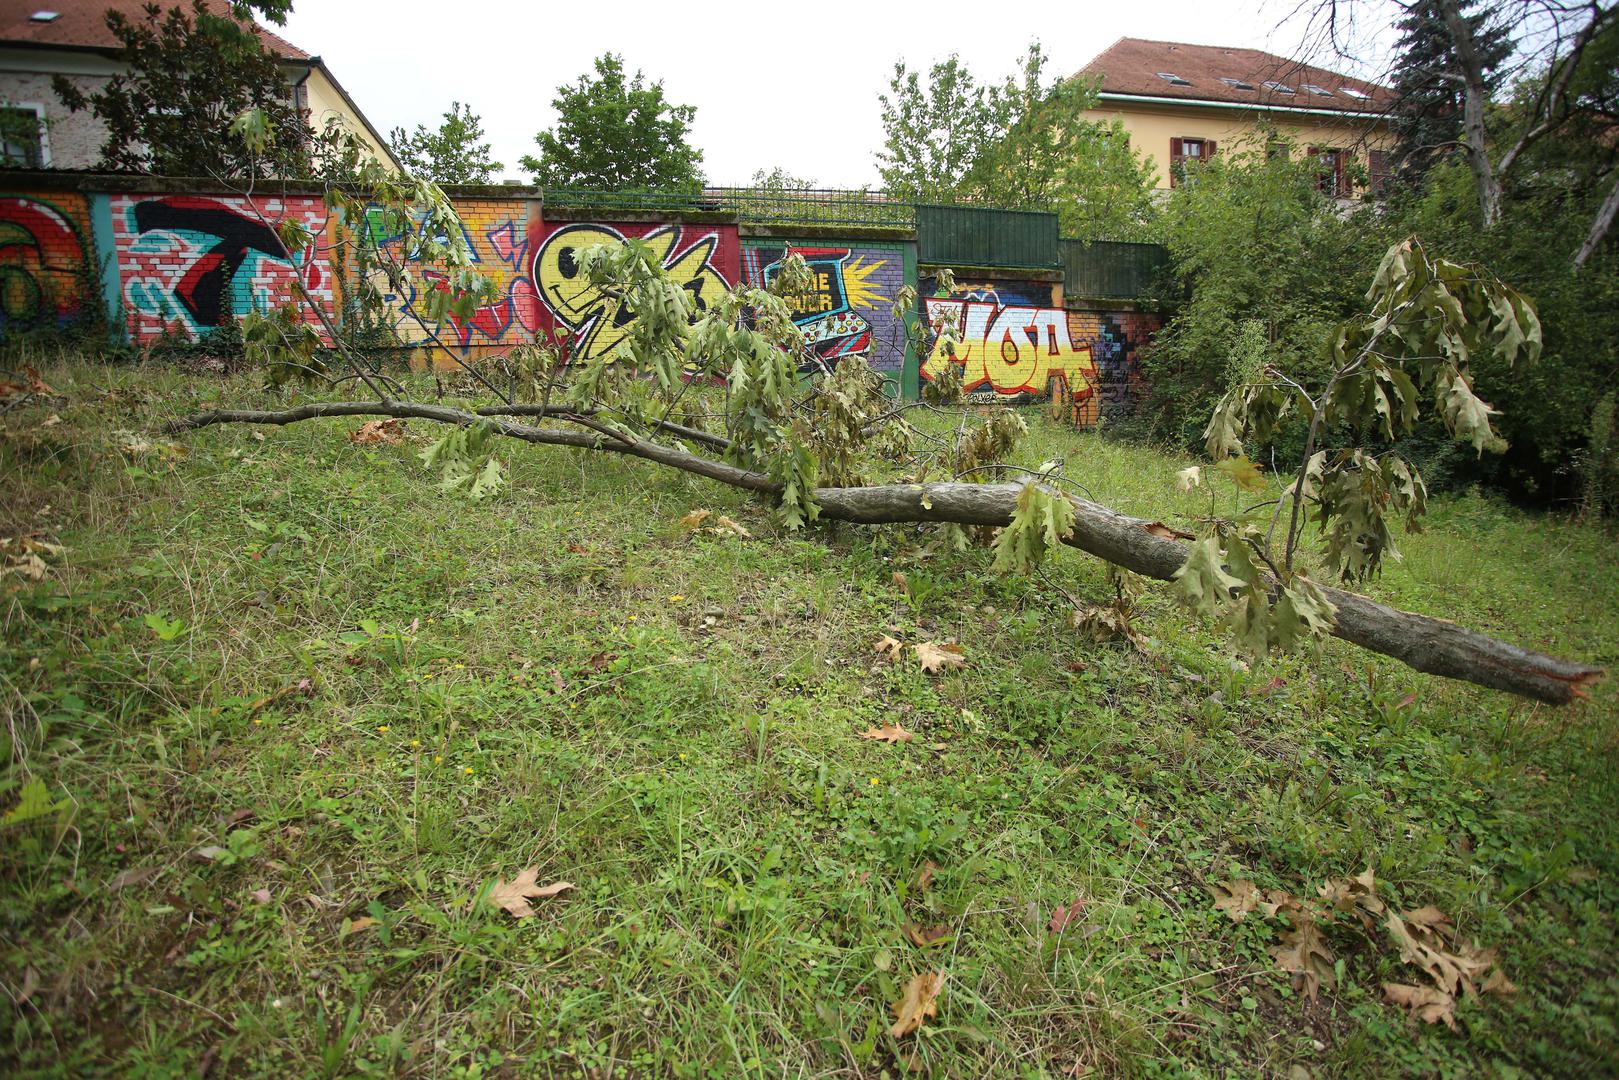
column 1318, row 91
column 45, row 16
column 1352, row 92
column 1237, row 84
column 1173, row 79
column 1280, row 88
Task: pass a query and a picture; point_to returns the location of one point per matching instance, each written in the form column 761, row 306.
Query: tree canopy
column 617, row 134
column 454, row 154
column 190, row 73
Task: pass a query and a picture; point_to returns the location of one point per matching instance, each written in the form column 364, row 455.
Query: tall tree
column 617, row 134
column 454, row 154
column 189, row 74
column 1427, row 79
column 1021, row 143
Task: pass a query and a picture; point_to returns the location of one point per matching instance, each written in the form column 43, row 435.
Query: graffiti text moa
column 1011, row 349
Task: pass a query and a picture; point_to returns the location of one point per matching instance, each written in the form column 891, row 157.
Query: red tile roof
column 82, row 24
column 1132, row 66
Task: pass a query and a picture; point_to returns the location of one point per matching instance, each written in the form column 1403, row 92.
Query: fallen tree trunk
column 1430, row 645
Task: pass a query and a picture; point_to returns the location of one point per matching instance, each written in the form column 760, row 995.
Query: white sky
column 774, row 83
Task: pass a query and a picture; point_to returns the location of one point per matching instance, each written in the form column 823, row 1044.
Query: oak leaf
column 919, row 1003
column 889, row 648
column 515, row 895
column 935, row 656
column 1423, row 1003
column 924, row 936
column 692, row 520
column 390, row 432
column 888, row 733
column 723, row 524
column 1236, row 898
column 1304, row 954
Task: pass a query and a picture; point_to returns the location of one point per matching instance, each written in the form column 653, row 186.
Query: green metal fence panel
column 1111, row 268
column 753, row 206
column 984, row 236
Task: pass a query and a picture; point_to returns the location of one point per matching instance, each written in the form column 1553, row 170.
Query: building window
column 1329, row 171
column 22, row 134
column 1173, row 79
column 1184, row 153
column 1318, row 91
column 1237, row 84
column 1378, row 162
column 1280, row 88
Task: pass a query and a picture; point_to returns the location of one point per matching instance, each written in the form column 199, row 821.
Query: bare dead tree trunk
column 1430, row 645
column 1599, row 225
column 1475, row 96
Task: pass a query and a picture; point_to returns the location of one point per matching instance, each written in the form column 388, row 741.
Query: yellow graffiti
column 858, row 289
column 598, row 321
column 1010, row 349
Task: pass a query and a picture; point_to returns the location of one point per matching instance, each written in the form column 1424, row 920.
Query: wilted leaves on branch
column 1038, row 526
column 390, row 432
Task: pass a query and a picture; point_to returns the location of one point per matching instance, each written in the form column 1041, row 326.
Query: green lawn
column 300, row 707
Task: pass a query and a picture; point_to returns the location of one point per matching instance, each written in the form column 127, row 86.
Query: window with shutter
column 1379, row 166
column 1183, row 151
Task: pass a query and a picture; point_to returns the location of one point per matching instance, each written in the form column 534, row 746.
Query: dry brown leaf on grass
column 924, row 936
column 1423, row 1003
column 888, row 733
column 515, row 895
column 389, row 432
column 1235, row 898
column 919, row 1003
column 723, row 524
column 694, row 519
column 1065, row 914
column 889, row 648
column 1303, row 953
column 925, row 877
column 935, row 656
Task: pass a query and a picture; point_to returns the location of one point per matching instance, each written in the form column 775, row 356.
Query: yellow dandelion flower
column 467, row 770
column 415, row 742
column 258, row 719
column 875, row 781
column 438, row 759
column 383, row 728
column 676, row 598
column 631, row 618
column 682, row 757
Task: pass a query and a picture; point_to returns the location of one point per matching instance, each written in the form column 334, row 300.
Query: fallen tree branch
column 1430, row 645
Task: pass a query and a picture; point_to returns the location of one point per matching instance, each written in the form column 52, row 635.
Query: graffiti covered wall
column 702, row 259
column 47, row 261
column 1018, row 338
column 848, row 310
column 496, row 232
column 191, row 263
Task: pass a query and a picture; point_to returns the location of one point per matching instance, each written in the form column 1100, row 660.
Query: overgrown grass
column 563, row 678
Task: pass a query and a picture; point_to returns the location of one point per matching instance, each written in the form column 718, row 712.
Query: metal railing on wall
column 1114, row 269
column 752, row 206
column 985, row 236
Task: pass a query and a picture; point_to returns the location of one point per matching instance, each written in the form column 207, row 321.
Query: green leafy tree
column 1272, row 267
column 935, row 133
column 1022, row 143
column 188, row 75
column 617, row 134
column 454, row 154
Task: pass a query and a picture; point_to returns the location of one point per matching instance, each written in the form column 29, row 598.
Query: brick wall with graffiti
column 47, row 262
column 702, row 259
column 188, row 264
column 157, row 262
column 848, row 309
column 1017, row 338
column 496, row 232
